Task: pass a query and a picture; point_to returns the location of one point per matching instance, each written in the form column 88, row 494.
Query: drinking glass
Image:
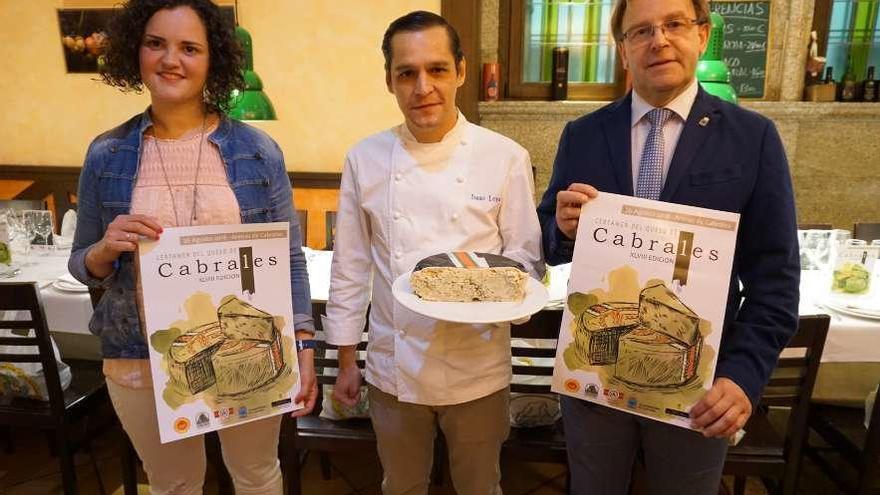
column 815, row 249
column 7, row 261
column 20, row 234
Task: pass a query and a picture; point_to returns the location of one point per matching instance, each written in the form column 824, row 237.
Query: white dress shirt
column 681, row 106
column 401, row 201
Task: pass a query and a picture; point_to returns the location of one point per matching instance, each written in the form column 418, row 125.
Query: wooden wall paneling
column 316, row 202
column 318, row 193
column 313, row 191
column 55, row 185
column 464, row 15
column 10, row 189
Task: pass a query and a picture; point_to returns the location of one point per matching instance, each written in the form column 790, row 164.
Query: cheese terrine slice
column 468, row 276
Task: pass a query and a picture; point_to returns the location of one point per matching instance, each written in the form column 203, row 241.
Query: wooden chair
column 843, row 430
column 130, row 458
column 82, row 404
column 764, row 452
column 866, row 231
column 539, row 443
column 543, row 443
column 303, row 216
column 329, row 229
column 315, row 434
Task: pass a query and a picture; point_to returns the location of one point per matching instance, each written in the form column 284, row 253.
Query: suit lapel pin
column 704, row 122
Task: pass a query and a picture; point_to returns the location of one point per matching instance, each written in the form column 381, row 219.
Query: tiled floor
column 31, row 471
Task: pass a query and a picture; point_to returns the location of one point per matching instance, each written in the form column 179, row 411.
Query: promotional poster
column 645, row 308
column 218, row 316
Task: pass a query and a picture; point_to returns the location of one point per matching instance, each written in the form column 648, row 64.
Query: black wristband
column 304, row 344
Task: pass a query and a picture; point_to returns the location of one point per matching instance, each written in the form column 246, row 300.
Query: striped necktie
column 650, row 180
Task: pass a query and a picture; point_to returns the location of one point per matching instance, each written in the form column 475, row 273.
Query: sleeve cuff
column 564, row 245
column 304, row 323
column 342, row 334
column 752, row 387
column 77, row 267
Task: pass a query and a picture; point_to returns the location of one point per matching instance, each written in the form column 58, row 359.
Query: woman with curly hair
column 182, row 162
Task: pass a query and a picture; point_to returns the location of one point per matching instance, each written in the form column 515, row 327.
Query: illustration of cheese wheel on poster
column 645, row 309
column 218, row 316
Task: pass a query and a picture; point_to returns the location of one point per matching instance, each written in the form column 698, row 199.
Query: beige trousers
column 474, row 432
column 250, row 451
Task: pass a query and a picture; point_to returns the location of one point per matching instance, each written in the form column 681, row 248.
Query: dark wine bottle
column 559, row 79
column 869, row 87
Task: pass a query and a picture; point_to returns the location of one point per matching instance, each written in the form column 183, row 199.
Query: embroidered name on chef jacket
column 485, row 197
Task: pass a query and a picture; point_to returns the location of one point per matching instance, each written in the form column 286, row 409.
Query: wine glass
column 816, row 249
column 20, row 234
column 8, row 266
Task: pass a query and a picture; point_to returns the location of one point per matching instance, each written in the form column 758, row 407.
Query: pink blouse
column 165, row 188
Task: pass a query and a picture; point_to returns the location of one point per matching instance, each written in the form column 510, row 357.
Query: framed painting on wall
column 84, row 36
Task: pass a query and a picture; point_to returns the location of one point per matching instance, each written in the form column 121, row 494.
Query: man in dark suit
column 670, row 140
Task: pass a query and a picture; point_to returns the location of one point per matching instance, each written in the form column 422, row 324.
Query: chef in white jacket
column 434, row 184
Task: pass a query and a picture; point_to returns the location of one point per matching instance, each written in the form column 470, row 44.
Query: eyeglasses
column 671, row 29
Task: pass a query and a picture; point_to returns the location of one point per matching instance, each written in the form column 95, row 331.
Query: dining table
column 66, row 302
column 850, row 366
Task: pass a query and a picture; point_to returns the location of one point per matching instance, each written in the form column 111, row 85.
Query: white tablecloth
column 67, row 312
column 851, row 339
column 318, row 263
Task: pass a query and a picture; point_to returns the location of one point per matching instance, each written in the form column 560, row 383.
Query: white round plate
column 64, row 286
column 850, row 310
column 472, row 312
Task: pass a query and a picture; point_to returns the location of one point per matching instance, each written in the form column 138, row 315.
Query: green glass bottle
column 848, row 88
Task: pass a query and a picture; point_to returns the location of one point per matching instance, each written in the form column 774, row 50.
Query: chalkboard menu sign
column 746, row 30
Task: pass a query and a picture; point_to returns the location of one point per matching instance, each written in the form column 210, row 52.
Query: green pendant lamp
column 712, row 71
column 251, row 103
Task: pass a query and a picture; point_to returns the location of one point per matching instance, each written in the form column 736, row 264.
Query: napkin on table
column 68, row 227
column 68, row 224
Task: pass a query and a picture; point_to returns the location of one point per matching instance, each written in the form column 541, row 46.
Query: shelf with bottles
column 848, row 90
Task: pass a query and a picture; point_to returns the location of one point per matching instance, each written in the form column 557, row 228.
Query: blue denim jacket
column 256, row 172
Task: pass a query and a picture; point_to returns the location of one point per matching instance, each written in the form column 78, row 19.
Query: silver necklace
column 195, row 192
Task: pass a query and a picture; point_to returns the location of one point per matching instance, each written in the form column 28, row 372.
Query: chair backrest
column 19, row 298
column 327, row 363
column 867, row 231
column 814, row 226
column 23, row 204
column 791, row 384
column 541, row 332
column 303, row 217
column 329, row 229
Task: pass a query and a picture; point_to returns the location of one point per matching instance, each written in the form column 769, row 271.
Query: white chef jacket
column 401, row 201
